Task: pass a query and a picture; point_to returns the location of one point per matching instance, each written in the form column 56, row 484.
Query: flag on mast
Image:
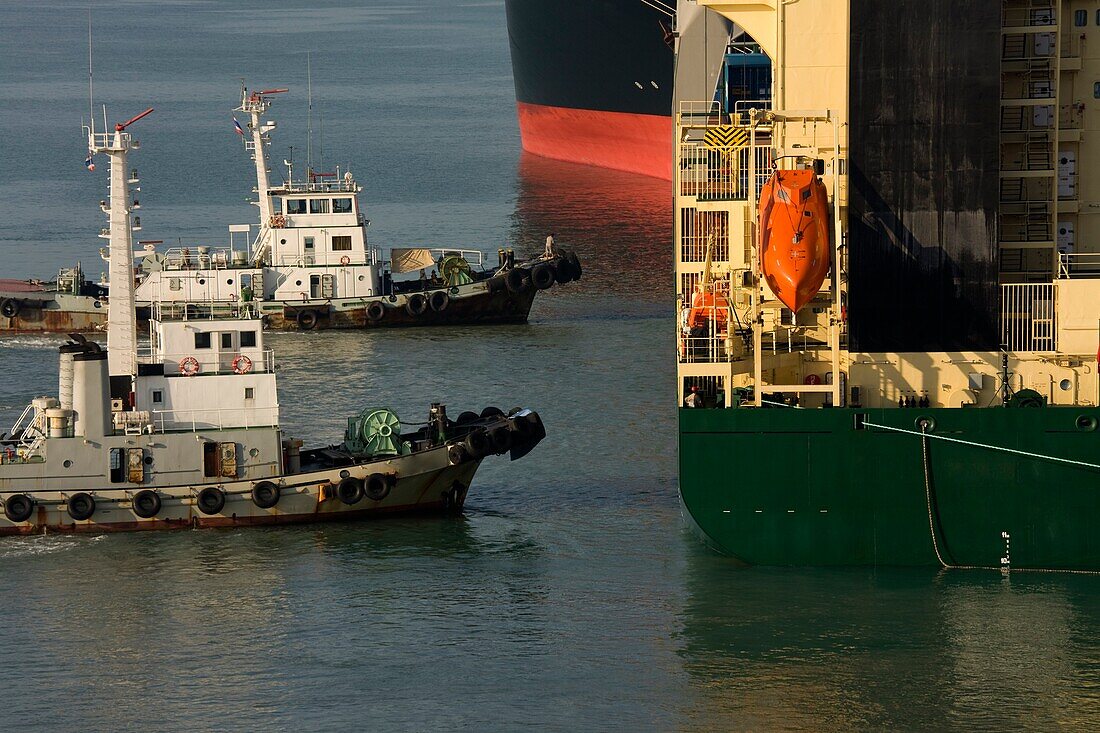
column 237, row 127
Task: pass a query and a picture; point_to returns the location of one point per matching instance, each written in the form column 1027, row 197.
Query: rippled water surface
column 569, row 596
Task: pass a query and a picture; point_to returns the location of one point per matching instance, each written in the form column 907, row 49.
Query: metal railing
column 209, row 363
column 721, row 173
column 164, row 421
column 1078, row 265
column 1028, row 317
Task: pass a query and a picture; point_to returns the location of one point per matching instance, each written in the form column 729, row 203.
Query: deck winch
column 375, row 432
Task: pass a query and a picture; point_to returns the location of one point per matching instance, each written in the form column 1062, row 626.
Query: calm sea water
column 569, row 596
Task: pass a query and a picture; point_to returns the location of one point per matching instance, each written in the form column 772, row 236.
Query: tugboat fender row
column 9, row 307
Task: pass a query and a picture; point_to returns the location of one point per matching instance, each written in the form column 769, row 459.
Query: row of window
column 340, row 243
column 248, row 340
column 1081, row 18
column 314, row 206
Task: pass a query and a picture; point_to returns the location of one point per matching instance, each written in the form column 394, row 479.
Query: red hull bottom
column 618, row 140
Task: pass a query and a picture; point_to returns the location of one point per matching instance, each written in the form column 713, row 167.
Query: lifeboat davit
column 794, row 236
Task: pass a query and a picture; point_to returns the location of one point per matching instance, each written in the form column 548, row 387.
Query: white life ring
column 345, row 260
column 189, row 366
column 242, row 364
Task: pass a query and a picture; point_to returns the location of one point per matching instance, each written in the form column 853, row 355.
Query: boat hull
column 425, row 482
column 813, row 489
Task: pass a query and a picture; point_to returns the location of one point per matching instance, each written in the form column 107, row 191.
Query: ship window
column 1081, row 18
column 249, row 393
column 276, row 205
column 309, row 242
column 202, row 340
column 341, row 206
column 1098, row 17
column 318, row 206
column 248, row 339
column 227, row 340
column 211, row 461
column 341, row 243
column 1096, row 90
column 118, row 470
column 295, row 206
column 158, row 397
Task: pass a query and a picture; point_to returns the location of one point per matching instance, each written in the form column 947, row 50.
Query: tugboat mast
column 255, row 104
column 121, row 317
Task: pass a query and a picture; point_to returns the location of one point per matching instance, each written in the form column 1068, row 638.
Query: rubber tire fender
column 477, row 444
column 495, row 284
column 492, row 412
column 542, row 276
column 439, row 300
column 456, row 454
column 18, row 507
column 210, row 500
column 9, row 307
column 501, row 439
column 516, row 280
column 377, row 486
column 81, row 506
column 563, row 273
column 376, row 311
column 306, row 320
column 575, row 265
column 466, row 417
column 350, row 490
column 146, row 503
column 416, row 305
column 266, row 494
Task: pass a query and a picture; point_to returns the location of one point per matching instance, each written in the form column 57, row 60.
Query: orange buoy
column 794, row 235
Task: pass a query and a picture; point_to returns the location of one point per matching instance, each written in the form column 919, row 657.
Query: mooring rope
column 933, row 511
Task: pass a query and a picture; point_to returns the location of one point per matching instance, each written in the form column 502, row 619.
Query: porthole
column 298, row 283
column 1065, row 385
column 254, row 452
column 67, row 464
column 1086, row 423
column 229, row 281
column 362, row 278
column 924, row 424
column 148, row 460
column 282, row 241
column 202, row 281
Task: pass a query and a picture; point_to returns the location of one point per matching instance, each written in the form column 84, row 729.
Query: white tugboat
column 309, row 266
column 185, row 432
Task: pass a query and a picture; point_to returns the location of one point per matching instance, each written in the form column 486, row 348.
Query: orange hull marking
column 794, row 241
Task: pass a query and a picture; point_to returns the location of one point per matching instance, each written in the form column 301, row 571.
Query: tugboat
column 184, row 432
column 888, row 290
column 308, row 267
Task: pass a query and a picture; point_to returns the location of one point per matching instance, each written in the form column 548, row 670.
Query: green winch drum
column 374, row 433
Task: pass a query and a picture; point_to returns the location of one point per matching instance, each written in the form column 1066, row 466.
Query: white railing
column 743, row 107
column 1078, row 264
column 209, row 363
column 721, row 173
column 1028, row 317
column 165, row 421
column 204, row 258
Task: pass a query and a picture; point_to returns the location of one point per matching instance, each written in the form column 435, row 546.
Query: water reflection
column 840, row 649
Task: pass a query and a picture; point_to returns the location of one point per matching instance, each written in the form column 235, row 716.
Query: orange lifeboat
column 794, row 236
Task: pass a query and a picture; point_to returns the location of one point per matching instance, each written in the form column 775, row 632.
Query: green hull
column 809, row 487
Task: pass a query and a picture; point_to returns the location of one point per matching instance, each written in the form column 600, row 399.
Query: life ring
column 278, row 221
column 378, row 485
column 146, row 503
column 9, row 307
column 516, row 280
column 417, row 305
column 265, row 494
column 456, row 454
column 189, row 366
column 345, row 260
column 350, row 490
column 307, row 320
column 242, row 364
column 81, row 506
column 542, row 276
column 439, row 300
column 376, row 311
column 211, row 500
column 18, row 507
column 477, row 444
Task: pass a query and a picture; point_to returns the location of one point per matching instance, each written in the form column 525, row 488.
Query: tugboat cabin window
column 318, row 206
column 343, row 206
column 1081, row 18
column 211, row 460
column 295, row 206
column 1096, row 89
column 341, row 243
column 308, row 242
column 158, row 397
column 276, row 205
column 249, row 393
column 227, row 340
column 202, row 340
column 248, row 339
